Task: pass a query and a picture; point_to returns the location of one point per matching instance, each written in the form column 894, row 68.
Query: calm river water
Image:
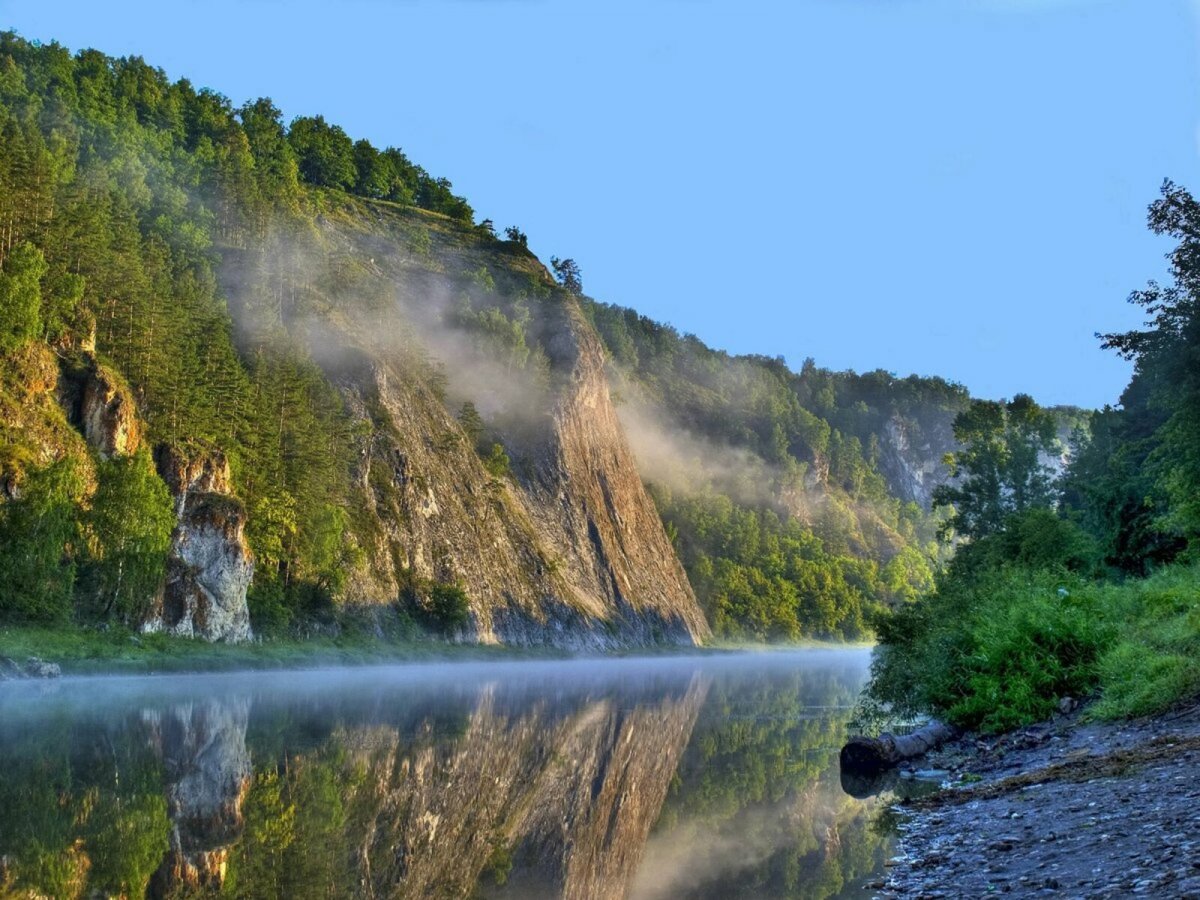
column 641, row 778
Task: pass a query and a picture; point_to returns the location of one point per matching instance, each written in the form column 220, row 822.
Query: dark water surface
column 651, row 778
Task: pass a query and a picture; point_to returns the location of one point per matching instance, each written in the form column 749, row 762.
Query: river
column 712, row 776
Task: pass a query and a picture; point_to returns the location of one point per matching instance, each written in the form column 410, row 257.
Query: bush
column 440, row 608
column 996, row 652
column 1155, row 662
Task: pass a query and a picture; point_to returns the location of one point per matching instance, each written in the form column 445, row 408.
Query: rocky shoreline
column 33, row 667
column 1065, row 808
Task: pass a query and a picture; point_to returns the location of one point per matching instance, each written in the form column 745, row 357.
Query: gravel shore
column 1065, row 808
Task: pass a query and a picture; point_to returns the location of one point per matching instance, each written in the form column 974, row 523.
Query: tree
column 1166, row 354
column 1000, row 465
column 373, row 177
column 21, row 296
column 472, row 423
column 568, row 274
column 275, row 167
column 130, row 525
column 325, row 152
column 516, row 236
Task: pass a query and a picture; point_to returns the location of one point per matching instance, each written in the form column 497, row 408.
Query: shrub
column 439, row 608
column 994, row 652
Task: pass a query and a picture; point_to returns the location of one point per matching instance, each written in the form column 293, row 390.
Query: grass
column 1155, row 661
column 82, row 650
column 86, row 651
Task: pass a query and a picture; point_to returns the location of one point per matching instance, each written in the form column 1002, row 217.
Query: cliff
column 564, row 549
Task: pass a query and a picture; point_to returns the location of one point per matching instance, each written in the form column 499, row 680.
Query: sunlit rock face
column 207, row 771
column 210, row 566
column 108, row 414
column 564, row 549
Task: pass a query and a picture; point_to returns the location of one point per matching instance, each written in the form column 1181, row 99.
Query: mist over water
column 666, row 777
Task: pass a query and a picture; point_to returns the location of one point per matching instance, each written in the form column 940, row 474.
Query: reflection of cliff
column 592, row 808
column 206, row 768
column 567, row 800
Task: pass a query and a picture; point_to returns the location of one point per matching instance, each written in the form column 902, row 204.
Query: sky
column 946, row 188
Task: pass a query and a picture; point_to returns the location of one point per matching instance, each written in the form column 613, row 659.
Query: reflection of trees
column 454, row 790
column 757, row 808
column 83, row 810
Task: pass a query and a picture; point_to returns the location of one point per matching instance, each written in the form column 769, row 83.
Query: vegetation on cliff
column 1083, row 585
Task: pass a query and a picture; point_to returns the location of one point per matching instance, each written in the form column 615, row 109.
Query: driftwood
column 866, row 755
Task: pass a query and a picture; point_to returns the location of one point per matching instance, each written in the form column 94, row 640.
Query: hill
column 259, row 378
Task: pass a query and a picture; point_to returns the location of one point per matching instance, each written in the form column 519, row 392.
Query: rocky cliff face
column 911, row 455
column 210, row 566
column 568, row 550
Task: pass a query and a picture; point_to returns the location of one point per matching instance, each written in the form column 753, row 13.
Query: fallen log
column 865, row 755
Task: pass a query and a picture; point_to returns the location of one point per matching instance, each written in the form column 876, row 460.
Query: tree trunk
column 864, row 754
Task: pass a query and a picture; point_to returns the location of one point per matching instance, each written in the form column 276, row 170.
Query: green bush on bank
column 999, row 650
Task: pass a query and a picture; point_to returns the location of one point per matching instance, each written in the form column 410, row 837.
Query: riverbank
column 121, row 651
column 1067, row 807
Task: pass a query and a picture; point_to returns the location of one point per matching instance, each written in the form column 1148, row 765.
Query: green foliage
column 769, row 577
column 1155, row 662
column 324, row 152
column 37, row 532
column 999, row 467
column 995, row 651
column 440, row 608
column 497, row 462
column 20, row 296
column 568, row 274
column 1036, row 539
column 129, row 526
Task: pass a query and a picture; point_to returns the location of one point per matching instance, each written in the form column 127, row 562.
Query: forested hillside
column 238, row 353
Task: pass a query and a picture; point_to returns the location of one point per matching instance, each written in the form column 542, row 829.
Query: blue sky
column 951, row 188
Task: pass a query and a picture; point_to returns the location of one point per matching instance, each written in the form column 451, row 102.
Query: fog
column 561, row 677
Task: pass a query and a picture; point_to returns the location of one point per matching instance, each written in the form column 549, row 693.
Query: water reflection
column 624, row 778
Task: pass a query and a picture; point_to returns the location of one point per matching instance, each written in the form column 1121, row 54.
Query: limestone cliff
column 210, row 566
column 566, row 549
column 911, row 455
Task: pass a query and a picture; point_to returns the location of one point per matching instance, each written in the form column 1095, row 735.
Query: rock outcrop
column 101, row 406
column 911, row 455
column 210, row 566
column 569, row 552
